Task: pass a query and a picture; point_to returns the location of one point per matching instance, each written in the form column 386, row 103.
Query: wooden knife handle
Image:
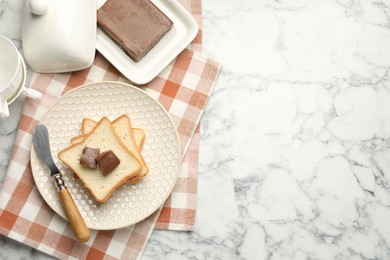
column 73, row 214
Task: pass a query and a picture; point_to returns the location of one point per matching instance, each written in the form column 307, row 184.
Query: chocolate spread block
column 136, row 25
column 88, row 157
column 107, row 162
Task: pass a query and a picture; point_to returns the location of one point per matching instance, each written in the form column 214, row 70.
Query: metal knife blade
column 42, row 147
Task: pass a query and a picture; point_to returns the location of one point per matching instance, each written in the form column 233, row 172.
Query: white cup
column 12, row 76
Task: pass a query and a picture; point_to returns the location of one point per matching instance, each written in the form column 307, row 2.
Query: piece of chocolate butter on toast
column 135, row 25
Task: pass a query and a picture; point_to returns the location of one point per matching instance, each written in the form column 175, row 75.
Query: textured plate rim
column 33, row 153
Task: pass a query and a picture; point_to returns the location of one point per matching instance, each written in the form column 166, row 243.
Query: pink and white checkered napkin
column 182, row 88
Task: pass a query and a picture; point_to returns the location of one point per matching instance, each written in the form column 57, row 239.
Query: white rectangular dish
column 175, row 41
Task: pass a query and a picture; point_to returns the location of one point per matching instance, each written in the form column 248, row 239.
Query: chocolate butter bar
column 88, row 157
column 135, row 25
column 107, row 162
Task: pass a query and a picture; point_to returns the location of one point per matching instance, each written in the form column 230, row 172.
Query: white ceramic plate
column 175, row 41
column 161, row 150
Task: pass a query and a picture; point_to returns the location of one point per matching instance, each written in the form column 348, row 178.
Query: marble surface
column 295, row 150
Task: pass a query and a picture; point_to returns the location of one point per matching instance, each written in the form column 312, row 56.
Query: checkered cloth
column 182, row 88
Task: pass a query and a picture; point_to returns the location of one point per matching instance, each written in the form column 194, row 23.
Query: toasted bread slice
column 104, row 137
column 139, row 142
column 138, row 133
column 87, row 125
column 123, row 127
column 78, row 139
column 139, row 137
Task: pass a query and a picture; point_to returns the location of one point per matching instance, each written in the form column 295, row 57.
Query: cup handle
column 32, row 93
column 4, row 111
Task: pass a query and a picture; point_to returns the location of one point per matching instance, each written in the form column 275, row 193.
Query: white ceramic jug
column 59, row 35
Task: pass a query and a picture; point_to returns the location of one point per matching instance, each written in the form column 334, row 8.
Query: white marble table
column 295, row 150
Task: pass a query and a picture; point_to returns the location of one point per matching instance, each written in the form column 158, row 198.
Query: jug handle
column 38, row 7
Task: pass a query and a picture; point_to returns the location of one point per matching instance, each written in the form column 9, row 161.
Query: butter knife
column 42, row 147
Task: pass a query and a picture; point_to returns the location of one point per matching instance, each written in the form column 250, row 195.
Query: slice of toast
column 139, row 137
column 104, row 137
column 87, row 125
column 123, row 127
column 139, row 140
column 138, row 133
column 78, row 139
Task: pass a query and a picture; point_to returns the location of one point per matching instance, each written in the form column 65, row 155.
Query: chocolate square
column 136, row 25
column 88, row 156
column 107, row 162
